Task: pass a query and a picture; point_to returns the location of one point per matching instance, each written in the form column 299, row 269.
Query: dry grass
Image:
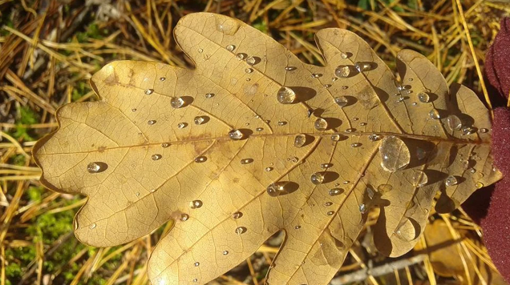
column 50, row 48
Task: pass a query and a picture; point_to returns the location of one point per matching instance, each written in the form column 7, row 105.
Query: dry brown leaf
column 215, row 150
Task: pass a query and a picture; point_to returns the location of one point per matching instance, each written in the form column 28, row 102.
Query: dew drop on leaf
column 197, row 264
column 246, row 160
column 363, row 66
column 199, row 120
column 156, row 156
column 434, row 114
column 395, row 154
column 225, row 252
column 236, row 134
column 149, row 91
column 277, row 188
column 165, row 145
column 177, row 102
column 341, row 101
column 241, row 56
column 357, row 144
column 419, row 178
column 335, row 191
column 286, row 95
column 195, row 204
column 484, row 130
column 423, row 97
column 92, row 226
column 96, row 167
column 343, row 71
column 151, row 122
column 454, row 123
column 209, row 95
column 248, row 70
column 290, row 68
column 321, row 124
column 406, row 230
column 200, row 159
column 237, row 215
column 251, row 60
column 362, row 208
column 326, row 165
column 327, row 204
column 182, row 125
column 297, row 227
column 374, row 137
column 162, row 78
column 268, row 169
column 317, row 178
column 451, row 181
column 240, row 230
column 231, row 47
column 299, row 140
column 184, row 217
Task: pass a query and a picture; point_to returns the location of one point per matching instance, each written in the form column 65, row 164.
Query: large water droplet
column 451, row 181
column 195, row 204
column 96, row 167
column 423, row 97
column 156, row 156
column 251, row 60
column 199, row 120
column 454, row 123
column 209, row 95
column 419, row 178
column 268, row 169
column 406, row 230
column 149, row 91
column 184, row 217
column 197, row 264
column 394, row 153
column 335, row 191
column 317, row 178
column 286, row 95
column 434, row 114
column 241, row 56
column 240, row 230
column 235, row 134
column 231, row 47
column 357, row 144
column 177, row 102
column 321, row 124
column 151, row 122
column 341, row 101
column 300, row 140
column 278, row 188
column 363, row 66
column 162, row 79
column 343, row 71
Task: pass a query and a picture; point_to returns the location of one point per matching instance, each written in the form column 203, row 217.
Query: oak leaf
column 254, row 141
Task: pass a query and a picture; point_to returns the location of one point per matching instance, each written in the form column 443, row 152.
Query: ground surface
column 50, row 48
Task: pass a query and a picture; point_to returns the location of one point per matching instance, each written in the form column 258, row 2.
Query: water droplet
column 484, row 130
column 184, row 217
column 395, row 154
column 225, row 252
column 195, row 204
column 357, row 144
column 344, row 55
column 235, row 134
column 336, row 137
column 363, row 66
column 133, row 110
column 248, row 70
column 434, row 114
column 240, row 230
column 297, row 227
column 326, row 165
column 362, row 124
column 195, row 280
column 321, row 124
column 151, row 122
column 290, row 68
column 246, row 160
column 92, row 226
column 197, row 264
column 343, row 71
column 286, row 95
column 156, row 156
column 479, row 185
column 335, row 191
column 268, row 169
column 94, row 167
column 419, row 178
column 209, row 95
column 362, row 208
column 345, row 87
column 230, row 47
column 341, row 101
column 241, row 56
column 165, row 145
column 237, row 215
column 451, row 181
column 472, row 171
column 259, row 129
column 374, row 137
column 294, row 159
column 200, row 159
column 281, row 123
column 423, row 97
column 149, row 91
column 199, row 120
column 317, row 178
column 182, row 125
column 200, row 50
column 277, row 188
column 468, row 131
column 316, row 75
column 251, row 60
column 162, row 79
column 177, row 102
column 454, row 123
column 350, row 130
column 330, row 213
column 327, row 204
column 327, row 85
column 299, row 140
